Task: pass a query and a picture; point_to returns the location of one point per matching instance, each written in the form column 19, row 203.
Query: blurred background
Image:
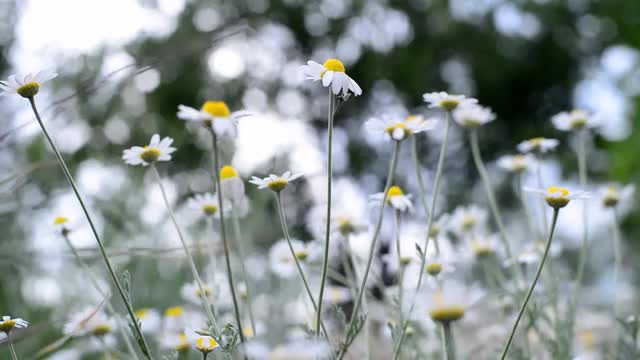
column 124, row 66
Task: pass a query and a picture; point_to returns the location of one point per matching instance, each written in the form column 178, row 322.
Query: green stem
column 543, row 204
column 285, row 230
column 533, row 284
column 243, row 268
column 136, row 327
column 430, row 218
column 225, row 243
column 372, row 247
column 449, row 346
column 617, row 257
column 325, row 263
column 582, row 173
column 94, row 281
column 416, row 165
column 396, row 223
column 12, row 350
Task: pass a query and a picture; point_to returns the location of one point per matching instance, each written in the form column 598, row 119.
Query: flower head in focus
column 473, row 116
column 516, row 163
column 26, row 86
column 398, row 130
column 395, row 197
column 274, row 182
column 446, row 101
column 332, row 74
column 558, row 197
column 157, row 150
column 203, row 343
column 573, row 120
column 7, row 324
column 214, row 114
column 538, row 145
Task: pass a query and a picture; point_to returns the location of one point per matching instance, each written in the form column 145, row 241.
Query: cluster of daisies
column 465, row 262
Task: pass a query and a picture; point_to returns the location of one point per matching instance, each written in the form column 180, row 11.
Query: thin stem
column 285, row 230
column 533, row 284
column 14, row 356
column 192, row 265
column 325, row 263
column 372, row 247
column 396, row 223
column 416, row 165
column 243, row 268
column 225, row 243
column 584, row 252
column 543, row 204
column 477, row 159
column 617, row 257
column 447, row 342
column 430, row 218
column 136, row 327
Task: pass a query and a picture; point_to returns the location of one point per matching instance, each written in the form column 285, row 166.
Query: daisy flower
column 214, row 114
column 450, row 302
column 203, row 343
column 89, row 321
column 466, row 220
column 26, row 86
column 61, row 225
column 538, row 144
column 395, row 197
column 274, row 182
column 573, row 120
column 332, row 74
column 483, row 246
column 613, row 194
column 337, row 295
column 205, row 205
column 150, row 320
column 7, row 324
column 446, row 101
column 516, row 163
column 435, row 266
column 157, row 150
column 558, row 197
column 175, row 340
column 231, row 184
column 191, row 292
column 174, row 319
column 398, row 130
column 473, row 116
column 280, row 259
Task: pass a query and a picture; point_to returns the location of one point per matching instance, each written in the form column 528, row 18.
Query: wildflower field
column 331, row 179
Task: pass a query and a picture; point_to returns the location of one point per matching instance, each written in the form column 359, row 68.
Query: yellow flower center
column 400, row 125
column 537, row 141
column 333, row 65
column 248, row 332
column 394, row 191
column 588, row 339
column 434, row 268
column 556, row 201
column 60, row 220
column 183, row 344
column 468, row 222
column 553, row 190
column 207, row 291
column 405, row 260
column 278, row 185
column 481, row 249
column 209, row 209
column 150, row 154
column 450, row 104
column 174, row 311
column 217, row 109
column 345, row 227
column 142, row 313
column 228, row 172
column 101, row 329
column 302, row 255
column 411, row 118
column 206, row 344
column 578, row 123
column 611, row 197
column 447, row 313
column 29, row 89
column 7, row 325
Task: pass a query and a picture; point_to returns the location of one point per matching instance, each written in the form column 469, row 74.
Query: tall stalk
column 617, row 257
column 430, row 218
column 243, row 268
column 584, row 252
column 416, row 166
column 448, row 344
column 14, row 356
column 396, row 223
column 372, row 247
column 136, row 327
column 533, row 284
column 225, row 243
column 325, row 263
column 285, row 230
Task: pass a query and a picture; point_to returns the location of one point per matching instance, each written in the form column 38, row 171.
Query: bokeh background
column 125, row 66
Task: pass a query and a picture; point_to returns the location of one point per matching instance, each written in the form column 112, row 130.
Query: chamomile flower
column 26, row 86
column 446, row 101
column 89, row 321
column 332, row 74
column 613, row 195
column 280, row 259
column 394, row 129
column 483, row 246
column 450, row 302
column 7, row 324
column 473, row 116
column 573, row 120
column 61, row 225
column 337, row 295
column 516, row 163
column 175, row 319
column 214, row 114
column 205, row 205
column 175, row 340
column 157, row 150
column 467, row 220
column 558, row 197
column 191, row 292
column 395, row 197
column 231, row 184
column 150, row 320
column 538, row 145
column 274, row 182
column 438, row 266
column 203, row 343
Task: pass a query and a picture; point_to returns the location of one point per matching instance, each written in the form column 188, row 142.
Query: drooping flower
column 473, row 116
column 538, row 145
column 231, row 184
column 516, row 163
column 395, row 197
column 573, row 120
column 157, row 150
column 558, row 197
column 393, row 129
column 26, row 86
column 332, row 74
column 214, row 114
column 613, row 195
column 280, row 259
column 446, row 101
column 7, row 324
column 274, row 182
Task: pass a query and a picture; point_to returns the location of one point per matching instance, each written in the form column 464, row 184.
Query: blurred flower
column 149, row 320
column 448, row 102
column 175, row 340
column 332, row 73
column 7, row 324
column 396, row 198
column 231, row 184
column 538, row 144
column 296, row 349
column 337, row 295
column 89, row 321
column 203, row 343
column 436, row 265
column 191, row 292
column 473, row 116
column 558, row 197
column 574, row 120
column 393, row 129
column 281, row 262
column 157, row 150
column 61, row 225
column 451, row 301
column 174, row 319
column 467, row 220
column 516, row 163
column 483, row 246
column 215, row 114
column 274, row 182
column 26, row 86
column 613, row 195
column 205, row 205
